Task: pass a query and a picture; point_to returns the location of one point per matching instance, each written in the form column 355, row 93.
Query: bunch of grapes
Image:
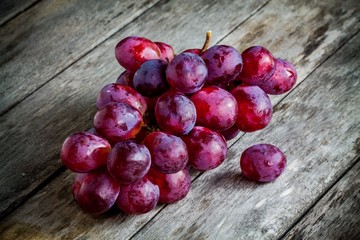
column 167, row 113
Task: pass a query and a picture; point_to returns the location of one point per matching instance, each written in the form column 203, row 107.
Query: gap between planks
column 17, row 12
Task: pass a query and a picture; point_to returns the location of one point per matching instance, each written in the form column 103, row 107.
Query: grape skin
column 166, row 51
column 126, row 79
column 262, row 162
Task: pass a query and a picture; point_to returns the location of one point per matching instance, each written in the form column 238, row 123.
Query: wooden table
column 57, row 54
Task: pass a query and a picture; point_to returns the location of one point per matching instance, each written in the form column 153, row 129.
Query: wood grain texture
column 10, row 8
column 39, row 125
column 319, row 134
column 41, row 42
column 336, row 215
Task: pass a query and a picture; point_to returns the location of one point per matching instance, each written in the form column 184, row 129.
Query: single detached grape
column 133, row 51
column 208, row 149
column 115, row 92
column 139, row 197
column 186, row 73
column 166, row 51
column 95, row 192
column 230, row 133
column 118, row 121
column 282, row 80
column 128, row 162
column 255, row 109
column 84, row 152
column 224, row 64
column 168, row 152
column 259, row 65
column 126, row 78
column 173, row 187
column 150, row 78
column 262, row 162
column 215, row 107
column 175, row 113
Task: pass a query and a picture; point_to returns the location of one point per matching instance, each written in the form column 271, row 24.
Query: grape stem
column 207, row 42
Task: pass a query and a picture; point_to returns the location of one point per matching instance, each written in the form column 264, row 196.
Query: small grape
column 128, row 162
column 259, row 65
column 84, row 152
column 186, row 73
column 255, row 109
column 95, row 192
column 175, row 113
column 215, row 107
column 196, row 51
column 208, row 149
column 168, row 152
column 139, row 197
column 231, row 132
column 166, row 51
column 262, row 162
column 173, row 187
column 126, row 79
column 150, row 78
column 133, row 51
column 224, row 64
column 118, row 121
column 282, row 80
column 115, row 92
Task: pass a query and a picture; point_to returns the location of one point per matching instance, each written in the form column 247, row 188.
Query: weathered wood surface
column 46, row 39
column 319, row 134
column 39, row 125
column 52, row 212
column 11, row 8
column 336, row 215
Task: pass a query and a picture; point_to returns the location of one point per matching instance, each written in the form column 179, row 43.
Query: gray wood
column 11, row 8
column 316, row 126
column 336, row 215
column 46, row 39
column 53, row 213
column 32, row 133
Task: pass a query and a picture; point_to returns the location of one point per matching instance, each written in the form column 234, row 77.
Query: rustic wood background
column 55, row 55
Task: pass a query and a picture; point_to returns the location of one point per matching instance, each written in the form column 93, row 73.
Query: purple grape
column 224, row 64
column 166, row 51
column 150, row 78
column 175, row 113
column 128, row 162
column 95, row 192
column 262, row 162
column 126, row 79
column 186, row 73
column 231, row 132
column 139, row 197
column 208, row 149
column 215, row 107
column 168, row 152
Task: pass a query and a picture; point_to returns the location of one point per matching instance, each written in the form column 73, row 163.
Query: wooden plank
column 32, row 133
column 336, row 215
column 41, row 42
column 318, row 129
column 11, row 8
column 56, row 200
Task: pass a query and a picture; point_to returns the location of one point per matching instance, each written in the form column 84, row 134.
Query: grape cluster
column 167, row 113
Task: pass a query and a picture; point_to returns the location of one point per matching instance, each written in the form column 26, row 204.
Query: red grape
column 186, row 73
column 118, row 121
column 115, row 92
column 166, row 51
column 262, row 162
column 95, row 192
column 150, row 78
column 196, row 51
column 173, row 187
column 128, row 161
column 259, row 65
column 255, row 109
column 224, row 64
column 83, row 152
column 168, row 152
column 282, row 80
column 175, row 113
column 139, row 197
column 126, row 78
column 215, row 107
column 208, row 149
column 133, row 51
column 230, row 133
